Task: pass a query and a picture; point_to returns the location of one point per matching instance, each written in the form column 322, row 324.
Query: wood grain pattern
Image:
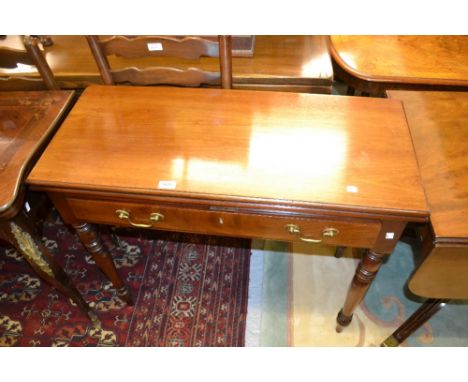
column 238, row 145
column 438, row 123
column 402, row 61
column 443, row 274
column 298, row 62
column 137, row 46
column 357, row 233
column 439, row 127
column 27, row 121
column 168, row 76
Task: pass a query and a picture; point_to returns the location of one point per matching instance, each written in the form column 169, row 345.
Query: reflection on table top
column 349, row 152
column 438, row 123
column 280, row 60
column 432, row 60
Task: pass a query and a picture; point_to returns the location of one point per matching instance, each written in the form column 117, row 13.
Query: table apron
column 358, row 233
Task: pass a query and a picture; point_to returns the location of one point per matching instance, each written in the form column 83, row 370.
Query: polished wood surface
column 296, row 63
column 27, row 121
column 439, row 127
column 352, row 232
column 238, row 145
column 443, row 273
column 402, row 61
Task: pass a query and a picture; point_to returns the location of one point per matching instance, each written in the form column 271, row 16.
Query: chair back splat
column 30, row 55
column 158, row 72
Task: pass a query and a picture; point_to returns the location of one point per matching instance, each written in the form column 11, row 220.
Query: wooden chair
column 32, row 55
column 163, row 46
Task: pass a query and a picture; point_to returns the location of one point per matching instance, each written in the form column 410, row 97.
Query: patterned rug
column 189, row 290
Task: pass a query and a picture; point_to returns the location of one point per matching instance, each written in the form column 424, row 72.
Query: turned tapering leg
column 93, row 243
column 414, row 322
column 365, row 274
column 20, row 233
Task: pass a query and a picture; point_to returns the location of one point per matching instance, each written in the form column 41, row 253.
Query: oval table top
column 409, row 60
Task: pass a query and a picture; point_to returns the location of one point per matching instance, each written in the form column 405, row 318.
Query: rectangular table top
column 350, row 153
column 438, row 122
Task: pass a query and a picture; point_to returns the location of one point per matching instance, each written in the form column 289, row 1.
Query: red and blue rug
column 189, row 290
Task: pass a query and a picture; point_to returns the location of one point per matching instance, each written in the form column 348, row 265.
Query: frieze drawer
column 347, row 232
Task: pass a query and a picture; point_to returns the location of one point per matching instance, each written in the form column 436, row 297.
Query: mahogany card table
column 275, row 165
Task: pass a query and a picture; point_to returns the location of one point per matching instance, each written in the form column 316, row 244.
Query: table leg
column 414, row 322
column 365, row 274
column 339, row 251
column 93, row 243
column 350, row 91
column 19, row 232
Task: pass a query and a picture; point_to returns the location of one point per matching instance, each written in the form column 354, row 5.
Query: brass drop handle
column 327, row 232
column 153, row 218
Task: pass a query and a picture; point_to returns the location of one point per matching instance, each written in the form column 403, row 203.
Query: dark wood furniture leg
column 339, row 251
column 350, row 91
column 365, row 274
column 414, row 322
column 367, row 269
column 93, row 243
column 19, row 232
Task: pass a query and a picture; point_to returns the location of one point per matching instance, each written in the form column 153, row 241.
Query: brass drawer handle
column 154, row 217
column 327, row 232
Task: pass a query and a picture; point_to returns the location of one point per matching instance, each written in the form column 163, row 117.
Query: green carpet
column 387, row 304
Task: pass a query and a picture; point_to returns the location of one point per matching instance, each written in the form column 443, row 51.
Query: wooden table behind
column 289, row 63
column 389, row 62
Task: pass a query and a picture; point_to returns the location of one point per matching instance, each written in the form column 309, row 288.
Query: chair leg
column 350, row 91
column 417, row 319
